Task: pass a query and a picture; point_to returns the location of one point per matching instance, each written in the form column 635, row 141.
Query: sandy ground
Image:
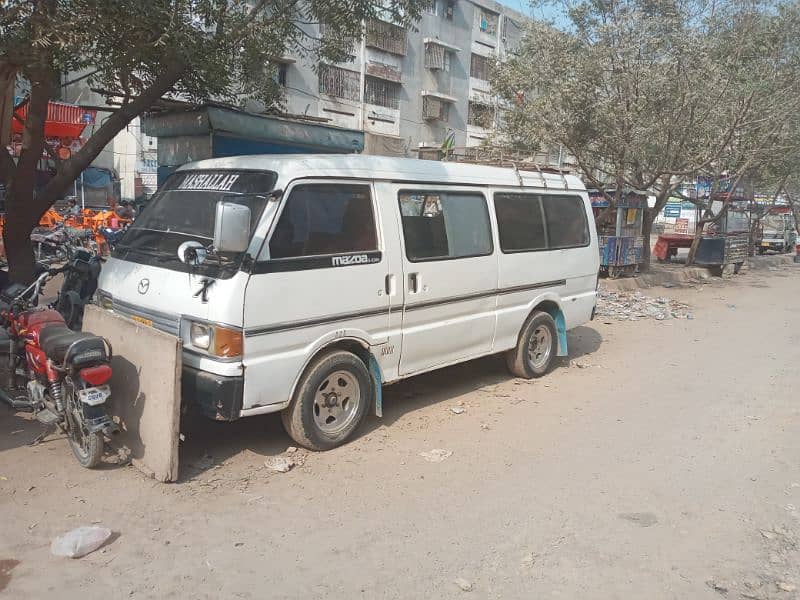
column 661, row 462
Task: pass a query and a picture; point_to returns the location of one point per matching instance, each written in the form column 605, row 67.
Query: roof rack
column 496, row 156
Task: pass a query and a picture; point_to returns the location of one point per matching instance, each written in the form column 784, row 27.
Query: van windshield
column 774, row 222
column 184, row 209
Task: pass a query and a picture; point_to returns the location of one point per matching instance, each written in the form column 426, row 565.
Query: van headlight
column 216, row 340
column 200, row 335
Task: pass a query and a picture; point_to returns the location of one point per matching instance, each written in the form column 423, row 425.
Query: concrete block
column 145, row 391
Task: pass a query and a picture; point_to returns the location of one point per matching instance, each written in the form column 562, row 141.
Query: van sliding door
column 449, row 275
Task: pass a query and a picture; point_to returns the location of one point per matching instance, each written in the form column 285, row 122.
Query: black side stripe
column 484, row 294
column 290, row 325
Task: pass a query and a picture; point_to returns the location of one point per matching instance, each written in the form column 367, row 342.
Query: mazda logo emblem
column 144, row 285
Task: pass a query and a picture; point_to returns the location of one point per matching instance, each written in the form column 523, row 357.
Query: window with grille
column 386, row 36
column 488, row 22
column 435, row 108
column 512, row 35
column 279, row 73
column 381, row 93
column 338, row 82
column 480, row 67
column 429, row 6
column 437, row 56
column 480, row 115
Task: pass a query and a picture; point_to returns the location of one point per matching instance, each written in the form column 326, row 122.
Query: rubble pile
column 633, row 306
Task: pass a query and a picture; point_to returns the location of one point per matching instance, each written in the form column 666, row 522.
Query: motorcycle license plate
column 94, row 396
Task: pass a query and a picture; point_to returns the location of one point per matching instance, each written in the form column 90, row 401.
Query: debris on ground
column 458, row 410
column 80, row 542
column 529, row 560
column 786, row 587
column 466, row 586
column 632, row 306
column 717, row 586
column 436, row 455
column 284, row 464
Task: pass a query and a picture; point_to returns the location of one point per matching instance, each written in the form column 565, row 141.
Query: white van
column 303, row 283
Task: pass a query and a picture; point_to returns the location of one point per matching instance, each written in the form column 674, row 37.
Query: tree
column 649, row 94
column 143, row 50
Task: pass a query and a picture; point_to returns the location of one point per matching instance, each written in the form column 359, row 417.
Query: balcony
column 386, row 36
column 384, row 71
column 438, row 54
column 436, row 106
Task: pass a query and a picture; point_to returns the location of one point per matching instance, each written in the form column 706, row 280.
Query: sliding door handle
column 414, row 283
column 390, row 285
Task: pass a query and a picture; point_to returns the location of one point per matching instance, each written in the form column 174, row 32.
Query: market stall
column 620, row 234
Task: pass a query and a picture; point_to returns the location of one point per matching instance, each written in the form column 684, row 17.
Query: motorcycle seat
column 55, row 340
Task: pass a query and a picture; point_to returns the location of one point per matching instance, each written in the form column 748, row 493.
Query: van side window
column 442, row 225
column 529, row 222
column 520, row 222
column 566, row 221
column 325, row 218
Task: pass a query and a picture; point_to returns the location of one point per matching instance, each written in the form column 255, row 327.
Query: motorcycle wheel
column 87, row 447
column 88, row 450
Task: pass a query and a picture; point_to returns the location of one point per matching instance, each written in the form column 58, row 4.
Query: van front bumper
column 216, row 396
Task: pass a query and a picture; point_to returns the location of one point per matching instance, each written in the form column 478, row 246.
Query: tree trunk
column 698, row 234
column 648, row 218
column 23, row 208
column 8, row 76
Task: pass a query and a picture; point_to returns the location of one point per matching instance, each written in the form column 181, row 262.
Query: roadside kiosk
column 620, row 237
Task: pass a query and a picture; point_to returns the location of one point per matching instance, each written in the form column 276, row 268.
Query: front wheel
column 330, row 402
column 536, row 348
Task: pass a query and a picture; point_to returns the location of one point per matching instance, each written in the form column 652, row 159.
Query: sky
column 546, row 12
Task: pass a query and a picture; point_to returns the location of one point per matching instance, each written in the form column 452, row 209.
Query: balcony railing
column 386, row 36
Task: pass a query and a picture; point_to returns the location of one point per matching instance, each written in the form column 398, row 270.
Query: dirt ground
column 660, row 462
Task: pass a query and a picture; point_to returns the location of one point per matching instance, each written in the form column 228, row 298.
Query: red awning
column 63, row 120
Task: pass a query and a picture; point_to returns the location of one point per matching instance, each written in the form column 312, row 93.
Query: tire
column 537, row 362
column 88, row 451
column 87, row 447
column 314, row 423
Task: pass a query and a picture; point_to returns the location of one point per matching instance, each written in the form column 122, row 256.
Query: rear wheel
column 536, row 349
column 86, row 446
column 330, row 402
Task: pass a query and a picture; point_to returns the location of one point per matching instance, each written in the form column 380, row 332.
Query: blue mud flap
column 561, row 329
column 377, row 381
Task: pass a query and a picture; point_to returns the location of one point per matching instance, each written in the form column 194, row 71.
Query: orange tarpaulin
column 63, row 120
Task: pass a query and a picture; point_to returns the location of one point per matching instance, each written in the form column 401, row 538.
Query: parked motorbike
column 60, row 375
column 112, row 236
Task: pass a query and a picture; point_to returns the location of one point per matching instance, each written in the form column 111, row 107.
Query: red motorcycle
column 60, row 375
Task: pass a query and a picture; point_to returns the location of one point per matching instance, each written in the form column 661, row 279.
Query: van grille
column 163, row 321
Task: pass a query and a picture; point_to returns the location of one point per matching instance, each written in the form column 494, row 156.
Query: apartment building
column 411, row 88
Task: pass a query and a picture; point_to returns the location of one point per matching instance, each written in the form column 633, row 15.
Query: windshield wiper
column 161, row 254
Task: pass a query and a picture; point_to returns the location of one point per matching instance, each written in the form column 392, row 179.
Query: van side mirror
column 231, row 227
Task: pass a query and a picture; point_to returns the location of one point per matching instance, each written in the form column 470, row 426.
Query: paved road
column 665, row 467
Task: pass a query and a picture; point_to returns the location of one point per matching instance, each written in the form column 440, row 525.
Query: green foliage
column 225, row 45
column 649, row 93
